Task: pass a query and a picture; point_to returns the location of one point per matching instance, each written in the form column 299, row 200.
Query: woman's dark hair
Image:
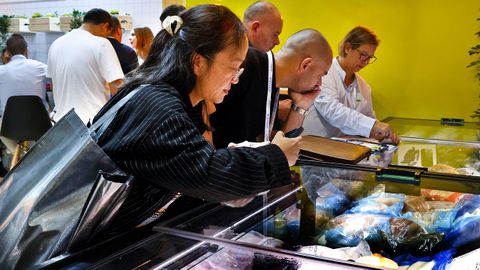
column 171, row 10
column 206, row 30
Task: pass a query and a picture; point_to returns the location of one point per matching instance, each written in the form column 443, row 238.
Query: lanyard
column 268, row 119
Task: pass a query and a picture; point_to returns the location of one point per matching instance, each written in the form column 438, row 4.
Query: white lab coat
column 341, row 110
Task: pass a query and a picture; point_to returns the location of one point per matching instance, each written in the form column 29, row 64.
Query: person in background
column 345, row 105
column 141, row 40
column 81, row 64
column 171, row 10
column 5, row 56
column 159, row 129
column 126, row 55
column 20, row 77
column 299, row 66
column 264, row 25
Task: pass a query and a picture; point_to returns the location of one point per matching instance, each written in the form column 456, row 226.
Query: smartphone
column 294, row 132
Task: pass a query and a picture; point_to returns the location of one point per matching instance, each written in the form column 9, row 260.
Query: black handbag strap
column 99, row 127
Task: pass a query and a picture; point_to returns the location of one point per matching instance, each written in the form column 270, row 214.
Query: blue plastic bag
column 441, row 259
column 468, row 204
column 466, row 227
column 380, row 203
column 331, row 200
column 435, row 221
column 464, row 231
column 349, row 229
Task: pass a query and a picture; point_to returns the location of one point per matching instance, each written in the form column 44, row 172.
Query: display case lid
column 440, row 156
column 446, row 129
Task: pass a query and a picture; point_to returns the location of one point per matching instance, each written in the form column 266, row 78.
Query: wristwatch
column 299, row 110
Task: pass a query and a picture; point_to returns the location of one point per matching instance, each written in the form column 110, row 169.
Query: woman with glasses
column 157, row 135
column 344, row 106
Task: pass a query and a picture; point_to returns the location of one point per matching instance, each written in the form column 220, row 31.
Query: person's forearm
column 294, row 120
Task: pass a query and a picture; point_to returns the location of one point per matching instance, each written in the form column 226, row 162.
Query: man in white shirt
column 20, row 77
column 81, row 64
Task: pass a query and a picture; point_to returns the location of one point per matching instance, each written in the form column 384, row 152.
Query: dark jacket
column 127, row 56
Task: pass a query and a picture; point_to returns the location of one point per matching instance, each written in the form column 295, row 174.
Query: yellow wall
column 421, row 68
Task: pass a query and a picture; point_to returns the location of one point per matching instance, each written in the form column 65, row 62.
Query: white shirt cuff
column 365, row 126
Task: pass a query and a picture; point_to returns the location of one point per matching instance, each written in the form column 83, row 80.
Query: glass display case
column 453, row 157
column 342, row 217
column 427, row 145
column 444, row 129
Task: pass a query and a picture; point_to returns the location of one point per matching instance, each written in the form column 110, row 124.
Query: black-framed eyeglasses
column 364, row 57
column 236, row 76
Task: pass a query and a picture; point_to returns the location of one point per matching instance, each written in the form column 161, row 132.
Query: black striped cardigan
column 157, row 137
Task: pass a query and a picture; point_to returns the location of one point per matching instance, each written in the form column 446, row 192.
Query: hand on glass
column 382, row 131
column 289, row 146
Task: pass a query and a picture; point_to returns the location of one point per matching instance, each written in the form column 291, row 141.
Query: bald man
column 299, row 66
column 264, row 24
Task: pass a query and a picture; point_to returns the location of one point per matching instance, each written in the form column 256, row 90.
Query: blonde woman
column 141, row 39
column 344, row 106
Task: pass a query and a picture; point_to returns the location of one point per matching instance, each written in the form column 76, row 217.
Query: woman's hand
column 289, row 146
column 381, row 131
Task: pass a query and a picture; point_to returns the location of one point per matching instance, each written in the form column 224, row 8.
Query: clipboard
column 321, row 148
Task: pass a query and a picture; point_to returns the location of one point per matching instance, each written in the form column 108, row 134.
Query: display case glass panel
column 434, row 129
column 338, row 217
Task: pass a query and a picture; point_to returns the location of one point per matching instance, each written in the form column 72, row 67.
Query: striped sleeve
column 177, row 157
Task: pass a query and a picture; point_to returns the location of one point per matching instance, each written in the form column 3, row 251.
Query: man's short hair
column 97, row 16
column 258, row 9
column 115, row 25
column 16, row 44
column 171, row 10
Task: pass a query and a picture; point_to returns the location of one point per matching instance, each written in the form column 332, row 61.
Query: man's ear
column 197, row 63
column 305, row 64
column 254, row 26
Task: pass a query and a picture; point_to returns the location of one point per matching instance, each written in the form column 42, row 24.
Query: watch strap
column 299, row 110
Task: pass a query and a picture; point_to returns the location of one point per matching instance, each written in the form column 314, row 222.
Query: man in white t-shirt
column 84, row 67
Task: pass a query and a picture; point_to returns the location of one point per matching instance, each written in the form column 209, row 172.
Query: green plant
column 114, row 12
column 475, row 50
column 4, row 25
column 52, row 15
column 77, row 18
column 37, row 15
